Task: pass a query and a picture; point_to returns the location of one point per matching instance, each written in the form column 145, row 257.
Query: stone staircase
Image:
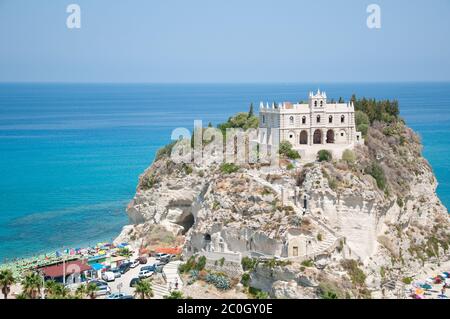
column 322, row 247
column 159, row 291
column 330, row 238
column 170, row 273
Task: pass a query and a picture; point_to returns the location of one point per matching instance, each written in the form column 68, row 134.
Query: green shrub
column 165, row 151
column 308, row 263
column 200, row 265
column 324, row 156
column 249, row 264
column 229, row 168
column 328, row 290
column 286, row 150
column 319, row 237
column 356, row 274
column 376, row 171
column 258, row 293
column 290, row 166
column 349, row 156
column 407, row 280
column 245, row 280
column 187, row 169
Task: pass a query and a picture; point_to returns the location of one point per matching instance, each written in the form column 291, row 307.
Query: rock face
column 326, row 212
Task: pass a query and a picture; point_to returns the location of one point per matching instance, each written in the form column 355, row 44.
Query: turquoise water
column 70, row 154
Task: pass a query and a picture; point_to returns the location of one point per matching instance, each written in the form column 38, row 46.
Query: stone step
column 160, row 291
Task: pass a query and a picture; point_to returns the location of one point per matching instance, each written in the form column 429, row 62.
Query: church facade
column 311, row 126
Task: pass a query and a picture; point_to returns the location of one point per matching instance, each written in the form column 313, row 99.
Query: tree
column 341, row 100
column 56, row 290
column 250, row 111
column 361, row 118
column 324, row 156
column 285, row 149
column 91, row 290
column 32, row 285
column 6, row 281
column 81, row 292
column 50, row 288
column 143, row 289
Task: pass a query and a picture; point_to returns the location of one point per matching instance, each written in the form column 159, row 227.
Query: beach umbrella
column 426, row 286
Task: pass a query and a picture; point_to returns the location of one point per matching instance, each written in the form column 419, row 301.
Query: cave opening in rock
column 187, row 221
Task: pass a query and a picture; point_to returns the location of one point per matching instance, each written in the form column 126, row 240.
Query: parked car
column 165, row 259
column 149, row 267
column 134, row 282
column 143, row 260
column 146, row 273
column 158, row 256
column 108, row 276
column 116, row 272
column 102, row 287
column 134, row 263
column 119, row 296
column 124, row 267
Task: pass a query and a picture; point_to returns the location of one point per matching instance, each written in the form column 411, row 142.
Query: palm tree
column 50, row 288
column 143, row 289
column 6, row 280
column 61, row 292
column 91, row 290
column 32, row 284
column 81, row 291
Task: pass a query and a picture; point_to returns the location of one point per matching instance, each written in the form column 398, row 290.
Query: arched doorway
column 317, row 137
column 304, row 137
column 330, row 137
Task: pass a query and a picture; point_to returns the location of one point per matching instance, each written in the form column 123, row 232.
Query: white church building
column 310, row 127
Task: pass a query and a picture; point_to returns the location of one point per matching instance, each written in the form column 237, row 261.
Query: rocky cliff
column 339, row 227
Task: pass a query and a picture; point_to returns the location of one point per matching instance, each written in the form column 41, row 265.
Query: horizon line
column 226, row 82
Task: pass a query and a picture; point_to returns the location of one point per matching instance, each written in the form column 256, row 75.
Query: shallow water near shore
column 71, row 154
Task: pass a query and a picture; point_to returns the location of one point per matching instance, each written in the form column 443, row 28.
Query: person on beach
column 176, row 283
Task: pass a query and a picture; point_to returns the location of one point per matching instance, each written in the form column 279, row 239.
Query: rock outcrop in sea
column 355, row 227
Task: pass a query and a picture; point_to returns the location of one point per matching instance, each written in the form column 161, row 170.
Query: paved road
column 160, row 290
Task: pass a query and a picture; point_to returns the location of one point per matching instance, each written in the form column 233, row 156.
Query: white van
column 160, row 255
column 108, row 276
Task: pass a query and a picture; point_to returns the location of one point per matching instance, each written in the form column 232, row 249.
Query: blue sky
column 224, row 41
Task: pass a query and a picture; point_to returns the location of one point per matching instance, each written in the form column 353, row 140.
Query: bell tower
column 317, row 101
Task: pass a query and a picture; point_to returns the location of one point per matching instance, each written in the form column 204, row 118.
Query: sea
column 71, row 154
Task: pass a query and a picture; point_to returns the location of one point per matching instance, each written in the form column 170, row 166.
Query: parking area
column 122, row 284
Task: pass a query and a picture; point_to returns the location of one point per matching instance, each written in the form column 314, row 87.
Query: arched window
column 304, row 120
column 304, row 137
column 315, row 103
column 330, row 119
column 291, row 120
column 263, row 119
column 342, row 119
column 317, row 137
column 318, row 118
column 321, row 103
column 330, row 137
